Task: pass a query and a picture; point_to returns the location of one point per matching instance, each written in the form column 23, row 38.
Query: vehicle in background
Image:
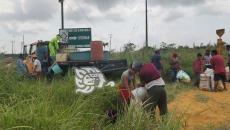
column 68, row 57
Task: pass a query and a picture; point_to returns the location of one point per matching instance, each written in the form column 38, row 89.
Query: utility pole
column 110, row 41
column 146, row 24
column 23, row 43
column 12, row 42
column 62, row 13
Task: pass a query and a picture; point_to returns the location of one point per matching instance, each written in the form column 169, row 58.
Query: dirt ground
column 203, row 109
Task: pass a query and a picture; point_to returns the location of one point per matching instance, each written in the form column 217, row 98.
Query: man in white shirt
column 37, row 68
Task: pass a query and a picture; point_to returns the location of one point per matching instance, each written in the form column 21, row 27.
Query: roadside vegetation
column 29, row 104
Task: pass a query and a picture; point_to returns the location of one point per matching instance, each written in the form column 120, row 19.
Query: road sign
column 81, row 37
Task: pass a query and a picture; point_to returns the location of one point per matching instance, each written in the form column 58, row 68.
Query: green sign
column 81, row 37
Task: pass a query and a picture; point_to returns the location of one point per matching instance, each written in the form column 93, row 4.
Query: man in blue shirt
column 156, row 60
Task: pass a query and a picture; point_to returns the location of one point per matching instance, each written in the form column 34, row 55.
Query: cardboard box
column 61, row 57
column 206, row 82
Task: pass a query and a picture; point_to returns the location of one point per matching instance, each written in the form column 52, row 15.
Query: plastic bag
column 209, row 72
column 139, row 93
column 183, row 76
column 220, row 86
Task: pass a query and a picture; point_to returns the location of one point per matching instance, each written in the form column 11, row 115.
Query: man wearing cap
column 37, row 69
column 150, row 78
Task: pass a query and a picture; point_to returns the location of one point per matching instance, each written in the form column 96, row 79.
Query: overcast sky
column 172, row 21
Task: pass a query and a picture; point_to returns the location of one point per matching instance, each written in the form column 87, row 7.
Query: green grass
column 28, row 104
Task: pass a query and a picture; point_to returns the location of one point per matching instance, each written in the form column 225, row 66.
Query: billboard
column 81, row 37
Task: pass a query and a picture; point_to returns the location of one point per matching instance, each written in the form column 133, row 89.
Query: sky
column 183, row 22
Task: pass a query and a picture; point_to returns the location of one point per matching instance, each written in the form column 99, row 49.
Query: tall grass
column 29, row 104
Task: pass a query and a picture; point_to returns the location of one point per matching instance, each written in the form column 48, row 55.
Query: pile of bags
column 207, row 80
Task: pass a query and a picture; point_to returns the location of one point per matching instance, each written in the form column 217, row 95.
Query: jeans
column 173, row 75
column 156, row 97
column 197, row 80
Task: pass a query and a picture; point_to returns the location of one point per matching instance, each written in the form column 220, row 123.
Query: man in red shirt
column 217, row 62
column 197, row 67
column 150, row 77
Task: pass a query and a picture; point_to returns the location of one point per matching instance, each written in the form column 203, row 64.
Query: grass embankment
column 29, row 104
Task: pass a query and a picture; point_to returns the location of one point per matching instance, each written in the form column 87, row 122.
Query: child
column 197, row 67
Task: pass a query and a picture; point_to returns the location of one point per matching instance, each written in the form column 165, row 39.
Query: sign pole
column 62, row 14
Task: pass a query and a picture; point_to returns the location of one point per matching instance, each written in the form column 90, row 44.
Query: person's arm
column 134, row 82
column 56, row 44
column 211, row 61
column 193, row 66
column 126, row 82
column 35, row 66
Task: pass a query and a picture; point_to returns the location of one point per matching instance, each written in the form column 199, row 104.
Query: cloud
column 16, row 28
column 33, row 10
column 174, row 3
column 174, row 15
column 103, row 5
column 210, row 10
column 93, row 11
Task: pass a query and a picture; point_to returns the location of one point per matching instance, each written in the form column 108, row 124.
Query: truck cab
column 41, row 49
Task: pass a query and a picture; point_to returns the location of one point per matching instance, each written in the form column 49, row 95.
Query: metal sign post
column 220, row 43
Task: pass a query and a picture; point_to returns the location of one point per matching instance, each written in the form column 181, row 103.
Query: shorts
column 221, row 77
column 124, row 94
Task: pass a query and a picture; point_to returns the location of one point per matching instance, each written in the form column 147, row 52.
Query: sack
column 206, row 82
column 220, row 86
column 227, row 72
column 209, row 72
column 139, row 93
column 183, row 76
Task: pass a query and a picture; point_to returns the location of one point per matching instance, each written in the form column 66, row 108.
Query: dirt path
column 203, row 110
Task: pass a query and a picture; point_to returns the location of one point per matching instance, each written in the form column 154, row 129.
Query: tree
column 129, row 47
column 172, row 45
column 163, row 45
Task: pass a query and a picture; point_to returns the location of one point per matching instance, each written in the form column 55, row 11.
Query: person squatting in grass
column 217, row 63
column 127, row 83
column 197, row 67
column 151, row 79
